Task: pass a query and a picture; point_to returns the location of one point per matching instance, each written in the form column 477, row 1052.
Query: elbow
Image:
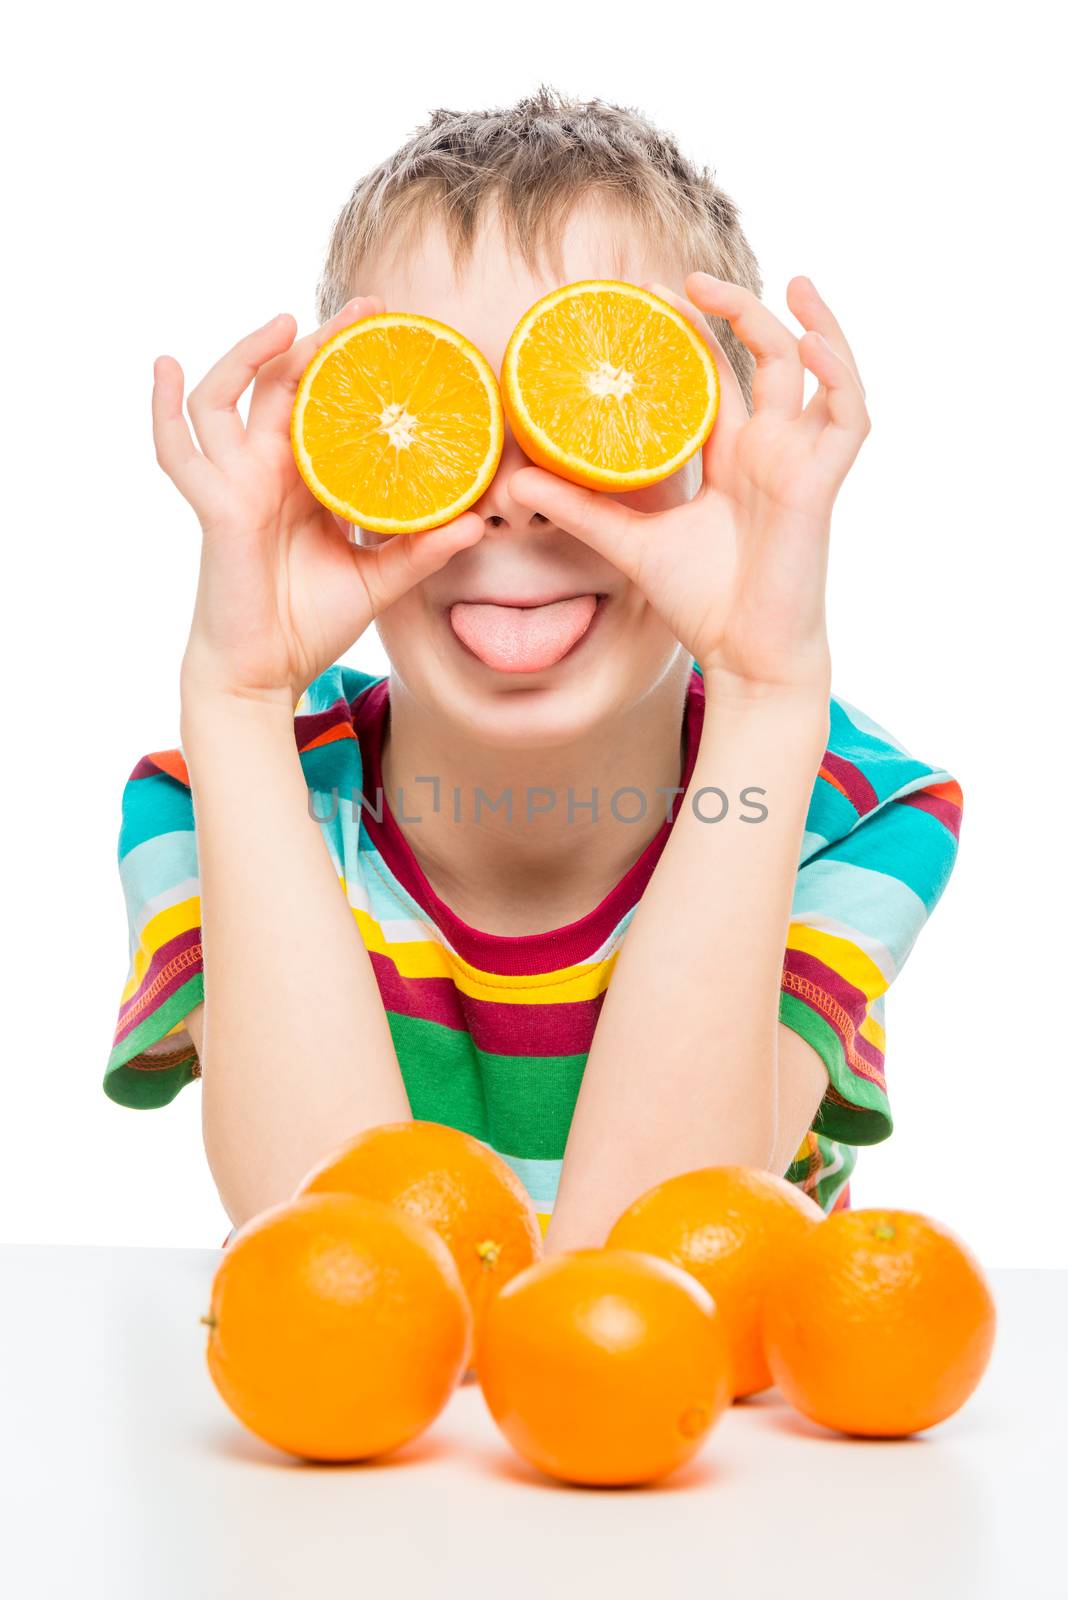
column 245, row 1185
column 241, row 1200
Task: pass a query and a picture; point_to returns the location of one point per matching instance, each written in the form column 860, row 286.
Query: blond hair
column 536, row 160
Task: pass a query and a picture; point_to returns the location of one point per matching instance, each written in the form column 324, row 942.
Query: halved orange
column 608, row 385
column 397, row 425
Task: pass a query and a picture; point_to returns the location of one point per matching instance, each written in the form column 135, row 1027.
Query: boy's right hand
column 282, row 592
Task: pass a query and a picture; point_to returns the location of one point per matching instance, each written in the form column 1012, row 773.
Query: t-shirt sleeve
column 152, row 1055
column 880, row 844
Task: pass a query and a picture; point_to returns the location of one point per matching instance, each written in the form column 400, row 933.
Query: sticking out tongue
column 523, row 638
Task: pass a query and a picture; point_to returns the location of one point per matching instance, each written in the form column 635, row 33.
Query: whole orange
column 731, row 1227
column 338, row 1327
column 883, row 1326
column 604, row 1366
column 451, row 1181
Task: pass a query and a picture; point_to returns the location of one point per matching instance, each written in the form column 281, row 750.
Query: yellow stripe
column 876, row 1035
column 841, row 955
column 166, row 924
column 425, row 958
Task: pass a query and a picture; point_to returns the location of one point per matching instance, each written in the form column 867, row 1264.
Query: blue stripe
column 151, row 806
column 541, row 1179
column 866, row 901
column 886, row 767
column 156, row 865
column 902, row 842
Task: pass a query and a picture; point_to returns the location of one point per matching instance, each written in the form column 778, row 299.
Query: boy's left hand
column 738, row 573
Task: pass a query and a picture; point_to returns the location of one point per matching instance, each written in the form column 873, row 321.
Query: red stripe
column 852, row 782
column 169, row 763
column 173, row 964
column 340, row 731
column 948, row 814
column 313, row 728
column 309, row 731
column 840, row 1004
column 556, row 1028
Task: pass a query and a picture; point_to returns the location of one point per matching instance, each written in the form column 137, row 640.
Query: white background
column 174, row 177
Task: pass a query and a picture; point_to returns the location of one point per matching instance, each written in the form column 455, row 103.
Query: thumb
column 391, row 569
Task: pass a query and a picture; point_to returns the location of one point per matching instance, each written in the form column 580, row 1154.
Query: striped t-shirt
column 492, row 1032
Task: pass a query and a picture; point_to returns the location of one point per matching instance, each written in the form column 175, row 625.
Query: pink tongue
column 523, row 639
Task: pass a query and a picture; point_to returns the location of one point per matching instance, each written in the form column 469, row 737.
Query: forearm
column 297, row 1052
column 683, row 1069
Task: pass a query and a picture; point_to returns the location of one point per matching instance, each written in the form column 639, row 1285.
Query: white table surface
column 124, row 1475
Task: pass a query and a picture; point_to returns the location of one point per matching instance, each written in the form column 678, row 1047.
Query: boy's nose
column 497, row 508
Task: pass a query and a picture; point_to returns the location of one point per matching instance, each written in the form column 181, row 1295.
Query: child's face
column 626, row 649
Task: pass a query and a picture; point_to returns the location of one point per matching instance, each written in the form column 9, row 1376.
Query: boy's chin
column 514, row 710
column 614, row 663
column 524, row 710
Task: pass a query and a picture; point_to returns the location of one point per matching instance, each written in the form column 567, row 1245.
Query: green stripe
column 867, row 1119
column 147, row 1091
column 521, row 1105
column 830, row 1186
column 131, row 1086
column 828, row 1189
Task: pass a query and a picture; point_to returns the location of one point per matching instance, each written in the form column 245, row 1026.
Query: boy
column 448, row 957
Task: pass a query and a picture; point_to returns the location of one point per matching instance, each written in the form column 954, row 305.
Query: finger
column 733, row 413
column 212, row 404
column 175, row 450
column 839, row 397
column 391, row 569
column 612, row 529
column 779, row 381
column 276, row 387
column 813, row 312
column 732, row 406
